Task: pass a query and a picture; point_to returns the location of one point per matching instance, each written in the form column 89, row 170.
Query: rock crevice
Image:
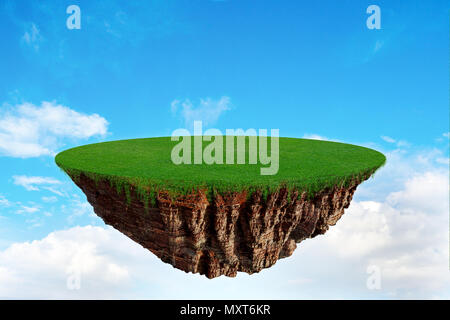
column 232, row 233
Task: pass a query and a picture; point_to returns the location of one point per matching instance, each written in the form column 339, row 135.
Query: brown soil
column 233, row 233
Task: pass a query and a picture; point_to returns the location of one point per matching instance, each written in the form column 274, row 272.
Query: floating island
column 218, row 219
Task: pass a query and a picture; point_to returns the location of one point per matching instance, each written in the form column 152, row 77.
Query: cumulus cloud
column 78, row 262
column 27, row 130
column 425, row 193
column 207, row 111
column 100, row 262
column 406, row 236
column 399, row 222
column 32, row 183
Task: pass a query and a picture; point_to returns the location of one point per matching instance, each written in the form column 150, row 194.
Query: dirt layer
column 232, row 233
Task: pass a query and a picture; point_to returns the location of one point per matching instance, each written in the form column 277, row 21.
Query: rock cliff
column 231, row 233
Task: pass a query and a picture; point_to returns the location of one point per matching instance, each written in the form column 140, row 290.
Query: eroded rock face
column 221, row 238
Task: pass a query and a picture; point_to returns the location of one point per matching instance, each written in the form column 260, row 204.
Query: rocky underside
column 232, row 233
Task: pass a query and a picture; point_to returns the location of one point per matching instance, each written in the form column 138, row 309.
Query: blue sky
column 310, row 69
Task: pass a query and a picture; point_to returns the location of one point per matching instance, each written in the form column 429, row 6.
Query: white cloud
column 404, row 233
column 42, row 268
column 4, row 202
column 378, row 45
column 425, row 193
column 388, row 139
column 443, row 160
column 207, row 111
column 33, row 37
column 32, row 183
column 446, row 134
column 399, row 143
column 397, row 221
column 55, row 191
column 79, row 208
column 403, row 144
column 34, row 222
column 413, row 252
column 174, row 106
column 299, row 281
column 401, row 165
column 49, row 199
column 314, row 136
column 27, row 209
column 31, row 131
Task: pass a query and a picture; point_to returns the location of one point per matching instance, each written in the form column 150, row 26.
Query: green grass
column 304, row 165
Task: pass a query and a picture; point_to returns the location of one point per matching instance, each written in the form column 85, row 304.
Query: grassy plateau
column 146, row 166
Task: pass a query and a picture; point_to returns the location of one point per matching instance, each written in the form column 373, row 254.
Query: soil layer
column 233, row 232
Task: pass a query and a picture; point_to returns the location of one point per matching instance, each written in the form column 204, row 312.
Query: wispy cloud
column 388, row 139
column 49, row 199
column 33, row 183
column 79, row 208
column 208, row 111
column 378, row 45
column 32, row 37
column 398, row 143
column 4, row 202
column 27, row 130
column 314, row 136
column 34, row 222
column 27, row 209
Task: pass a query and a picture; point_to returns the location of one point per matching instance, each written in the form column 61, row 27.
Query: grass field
column 309, row 165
